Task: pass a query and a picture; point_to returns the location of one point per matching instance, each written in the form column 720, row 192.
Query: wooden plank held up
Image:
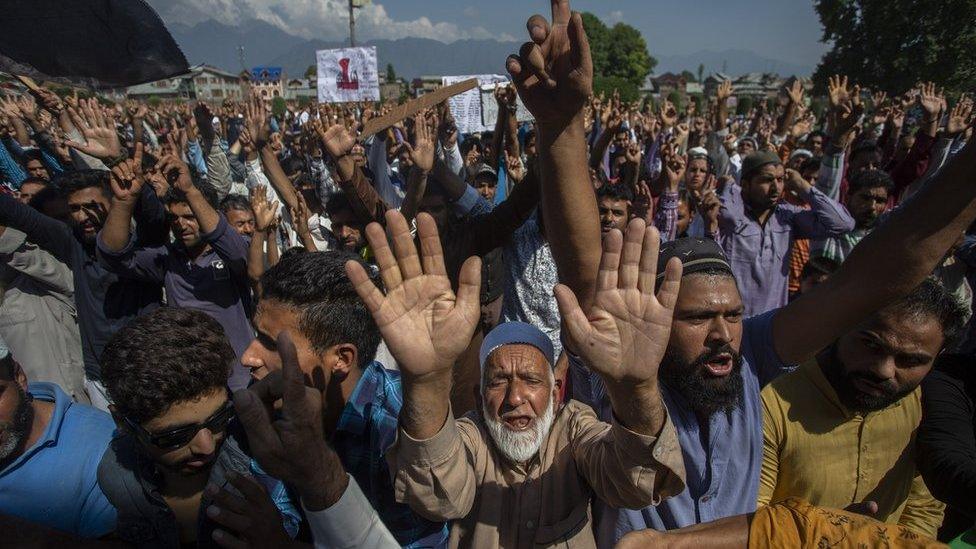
column 411, row 108
column 28, row 81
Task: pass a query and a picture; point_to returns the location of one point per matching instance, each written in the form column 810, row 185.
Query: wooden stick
column 28, row 81
column 411, row 108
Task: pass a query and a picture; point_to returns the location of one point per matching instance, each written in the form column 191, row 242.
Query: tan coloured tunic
column 459, row 475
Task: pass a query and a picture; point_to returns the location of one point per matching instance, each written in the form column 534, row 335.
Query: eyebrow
column 919, row 357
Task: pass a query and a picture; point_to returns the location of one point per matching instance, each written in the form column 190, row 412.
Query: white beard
column 520, row 446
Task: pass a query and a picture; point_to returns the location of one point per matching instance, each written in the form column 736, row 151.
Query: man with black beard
column 47, row 437
column 711, row 345
column 840, row 430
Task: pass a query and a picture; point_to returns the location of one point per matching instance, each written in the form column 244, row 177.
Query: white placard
column 466, row 107
column 489, row 107
column 348, row 74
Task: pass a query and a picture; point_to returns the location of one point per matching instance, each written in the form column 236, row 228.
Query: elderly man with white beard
column 523, row 471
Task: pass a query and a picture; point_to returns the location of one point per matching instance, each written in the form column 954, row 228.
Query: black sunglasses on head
column 177, row 438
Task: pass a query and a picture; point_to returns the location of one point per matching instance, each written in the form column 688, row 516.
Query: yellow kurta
column 816, row 449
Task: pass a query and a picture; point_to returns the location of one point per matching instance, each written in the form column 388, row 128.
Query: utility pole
column 352, row 23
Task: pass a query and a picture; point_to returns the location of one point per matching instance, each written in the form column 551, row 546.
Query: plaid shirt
column 367, row 427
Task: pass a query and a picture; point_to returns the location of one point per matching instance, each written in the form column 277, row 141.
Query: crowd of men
column 621, row 323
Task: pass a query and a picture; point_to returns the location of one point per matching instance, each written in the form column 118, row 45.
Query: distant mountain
column 264, row 44
column 216, row 44
column 414, row 57
column 736, row 62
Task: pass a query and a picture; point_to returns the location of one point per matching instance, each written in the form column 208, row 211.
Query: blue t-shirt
column 55, row 482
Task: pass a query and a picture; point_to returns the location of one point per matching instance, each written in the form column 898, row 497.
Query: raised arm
column 127, row 182
column 554, row 77
column 422, row 154
column 886, row 265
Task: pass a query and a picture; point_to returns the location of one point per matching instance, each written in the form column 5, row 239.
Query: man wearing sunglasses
column 179, row 451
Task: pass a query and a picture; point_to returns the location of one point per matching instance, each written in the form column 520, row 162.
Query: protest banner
column 411, row 108
column 347, row 74
column 466, row 107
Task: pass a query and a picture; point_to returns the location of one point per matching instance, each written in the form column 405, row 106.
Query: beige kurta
column 458, row 475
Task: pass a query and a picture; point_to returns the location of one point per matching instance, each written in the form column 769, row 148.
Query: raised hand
column 554, row 72
column 669, row 114
column 795, row 92
column 264, row 212
column 338, row 140
column 795, row 183
column 837, row 90
column 624, row 336
column 127, row 177
column 292, row 447
column 633, row 153
column 101, row 139
column 959, row 119
column 176, row 172
column 425, row 325
column 724, row 90
column 878, row 98
column 299, row 217
column 673, row 165
column 931, row 100
column 514, row 168
column 422, row 150
column 256, row 117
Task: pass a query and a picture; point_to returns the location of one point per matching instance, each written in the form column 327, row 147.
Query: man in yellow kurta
column 840, row 431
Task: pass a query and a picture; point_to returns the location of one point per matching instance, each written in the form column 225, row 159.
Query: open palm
column 101, row 139
column 625, row 335
column 425, row 325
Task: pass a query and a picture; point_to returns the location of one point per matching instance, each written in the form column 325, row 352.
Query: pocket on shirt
column 567, row 528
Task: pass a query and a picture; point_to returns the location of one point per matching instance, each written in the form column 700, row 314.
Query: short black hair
column 237, row 202
column 176, row 196
column 33, row 154
column 931, row 298
column 315, row 284
column 79, row 180
column 169, row 356
column 35, row 181
column 811, row 164
column 338, row 202
column 292, row 165
column 865, row 146
column 870, row 179
column 45, row 195
column 615, row 192
column 8, row 368
column 819, row 266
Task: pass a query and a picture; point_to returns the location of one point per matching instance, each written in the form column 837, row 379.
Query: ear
column 346, row 358
column 19, row 376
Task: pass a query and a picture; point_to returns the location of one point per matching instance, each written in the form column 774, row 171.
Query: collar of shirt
column 48, row 392
column 376, row 398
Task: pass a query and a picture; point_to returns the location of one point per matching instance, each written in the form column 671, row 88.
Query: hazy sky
column 788, row 30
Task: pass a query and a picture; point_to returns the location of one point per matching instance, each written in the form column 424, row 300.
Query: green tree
column 390, row 73
column 278, row 107
column 618, row 52
column 606, row 84
column 689, row 76
column 311, row 72
column 675, row 98
column 744, row 106
column 892, row 44
column 701, row 72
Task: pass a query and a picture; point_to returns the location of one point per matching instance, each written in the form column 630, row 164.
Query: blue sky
column 788, row 30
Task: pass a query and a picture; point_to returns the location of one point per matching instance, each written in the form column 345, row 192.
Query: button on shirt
column 721, row 463
column 819, row 450
column 54, row 482
column 760, row 253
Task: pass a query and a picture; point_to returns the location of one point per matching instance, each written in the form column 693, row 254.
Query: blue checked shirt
column 367, row 427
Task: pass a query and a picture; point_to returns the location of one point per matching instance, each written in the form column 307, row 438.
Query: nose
column 885, row 369
column 514, row 396
column 204, row 443
column 720, row 334
column 252, row 356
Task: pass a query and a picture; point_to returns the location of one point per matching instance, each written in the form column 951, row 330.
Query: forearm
column 600, row 149
column 638, row 406
column 426, row 403
column 452, row 183
column 206, row 216
column 255, row 256
column 416, row 187
column 115, row 234
column 569, row 209
column 512, row 144
column 138, row 131
column 498, row 137
column 20, row 131
column 273, row 252
column 276, row 176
